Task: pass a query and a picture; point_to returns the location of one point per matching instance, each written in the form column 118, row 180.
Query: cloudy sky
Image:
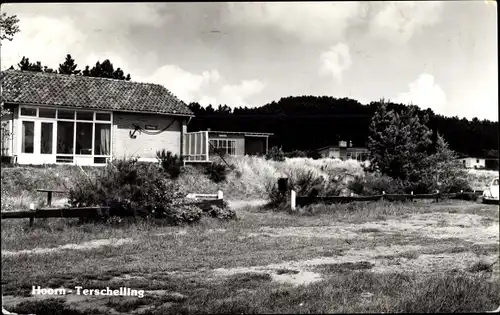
column 441, row 55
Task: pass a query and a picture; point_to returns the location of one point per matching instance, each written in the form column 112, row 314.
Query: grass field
column 359, row 257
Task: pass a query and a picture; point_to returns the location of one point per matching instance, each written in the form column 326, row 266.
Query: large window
column 83, row 138
column 65, row 137
column 76, row 133
column 102, row 139
column 28, row 137
column 223, row 146
column 46, row 137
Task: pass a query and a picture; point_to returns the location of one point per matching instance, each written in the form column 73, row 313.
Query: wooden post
column 411, row 198
column 220, row 194
column 32, row 218
column 49, row 198
column 293, row 196
column 437, row 195
column 383, row 194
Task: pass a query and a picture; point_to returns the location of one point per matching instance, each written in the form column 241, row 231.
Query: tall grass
column 480, row 179
column 249, row 179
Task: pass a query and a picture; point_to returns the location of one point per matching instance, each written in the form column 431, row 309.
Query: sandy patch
column 83, row 246
column 179, row 232
column 238, row 204
column 304, row 270
column 468, row 227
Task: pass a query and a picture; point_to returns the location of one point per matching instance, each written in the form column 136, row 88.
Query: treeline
column 308, row 122
column 103, row 69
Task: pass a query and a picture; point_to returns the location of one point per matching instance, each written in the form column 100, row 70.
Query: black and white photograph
column 249, row 157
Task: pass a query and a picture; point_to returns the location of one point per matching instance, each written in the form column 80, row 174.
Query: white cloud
column 207, row 87
column 237, row 95
column 184, row 84
column 89, row 32
column 314, row 21
column 335, row 61
column 208, row 100
column 399, row 21
column 425, row 93
column 36, row 43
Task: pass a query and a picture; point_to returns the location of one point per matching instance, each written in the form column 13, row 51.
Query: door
column 37, row 142
column 46, row 138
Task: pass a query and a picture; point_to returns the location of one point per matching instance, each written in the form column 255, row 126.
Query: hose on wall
column 151, row 133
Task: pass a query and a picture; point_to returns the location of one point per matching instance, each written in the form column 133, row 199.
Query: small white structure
column 473, row 162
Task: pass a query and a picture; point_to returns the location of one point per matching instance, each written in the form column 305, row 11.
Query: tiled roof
column 26, row 87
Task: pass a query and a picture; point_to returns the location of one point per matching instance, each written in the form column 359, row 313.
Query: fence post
column 411, row 198
column 383, row 195
column 293, row 196
column 32, row 218
column 220, row 194
column 437, row 195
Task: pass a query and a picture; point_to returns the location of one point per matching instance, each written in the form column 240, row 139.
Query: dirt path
column 83, row 246
column 238, row 204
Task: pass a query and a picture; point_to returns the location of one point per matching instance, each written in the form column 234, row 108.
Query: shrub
column 217, row 172
column 275, row 197
column 296, row 154
column 375, row 184
column 170, row 163
column 185, row 214
column 307, row 182
column 275, row 154
column 128, row 188
column 221, row 213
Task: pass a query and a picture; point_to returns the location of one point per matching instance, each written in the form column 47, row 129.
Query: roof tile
column 77, row 91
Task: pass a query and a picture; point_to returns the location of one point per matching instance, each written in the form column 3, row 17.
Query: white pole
column 292, row 201
column 220, row 194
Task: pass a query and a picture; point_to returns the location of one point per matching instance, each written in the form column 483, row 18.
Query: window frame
column 226, row 149
column 39, row 120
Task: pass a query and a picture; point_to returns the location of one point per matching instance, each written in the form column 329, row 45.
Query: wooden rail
column 301, row 201
column 89, row 212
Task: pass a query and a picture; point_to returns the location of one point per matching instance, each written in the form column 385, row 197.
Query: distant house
column 344, row 151
column 200, row 145
column 473, row 162
column 57, row 118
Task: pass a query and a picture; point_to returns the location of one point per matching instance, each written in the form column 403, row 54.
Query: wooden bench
column 49, row 194
column 49, row 199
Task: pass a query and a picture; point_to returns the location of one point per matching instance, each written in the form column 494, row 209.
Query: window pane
column 66, row 114
column 102, row 139
column 85, row 115
column 65, row 131
column 83, row 138
column 28, row 137
column 26, row 111
column 103, row 116
column 46, row 138
column 47, row 113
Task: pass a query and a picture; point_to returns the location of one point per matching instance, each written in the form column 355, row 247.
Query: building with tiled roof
column 58, row 118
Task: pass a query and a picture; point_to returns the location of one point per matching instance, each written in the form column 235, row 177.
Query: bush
column 170, row 163
column 275, row 154
column 296, row 154
column 128, row 188
column 217, row 172
column 221, row 213
column 275, row 197
column 375, row 184
column 185, row 214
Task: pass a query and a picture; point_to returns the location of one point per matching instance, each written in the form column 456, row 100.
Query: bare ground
column 413, row 257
